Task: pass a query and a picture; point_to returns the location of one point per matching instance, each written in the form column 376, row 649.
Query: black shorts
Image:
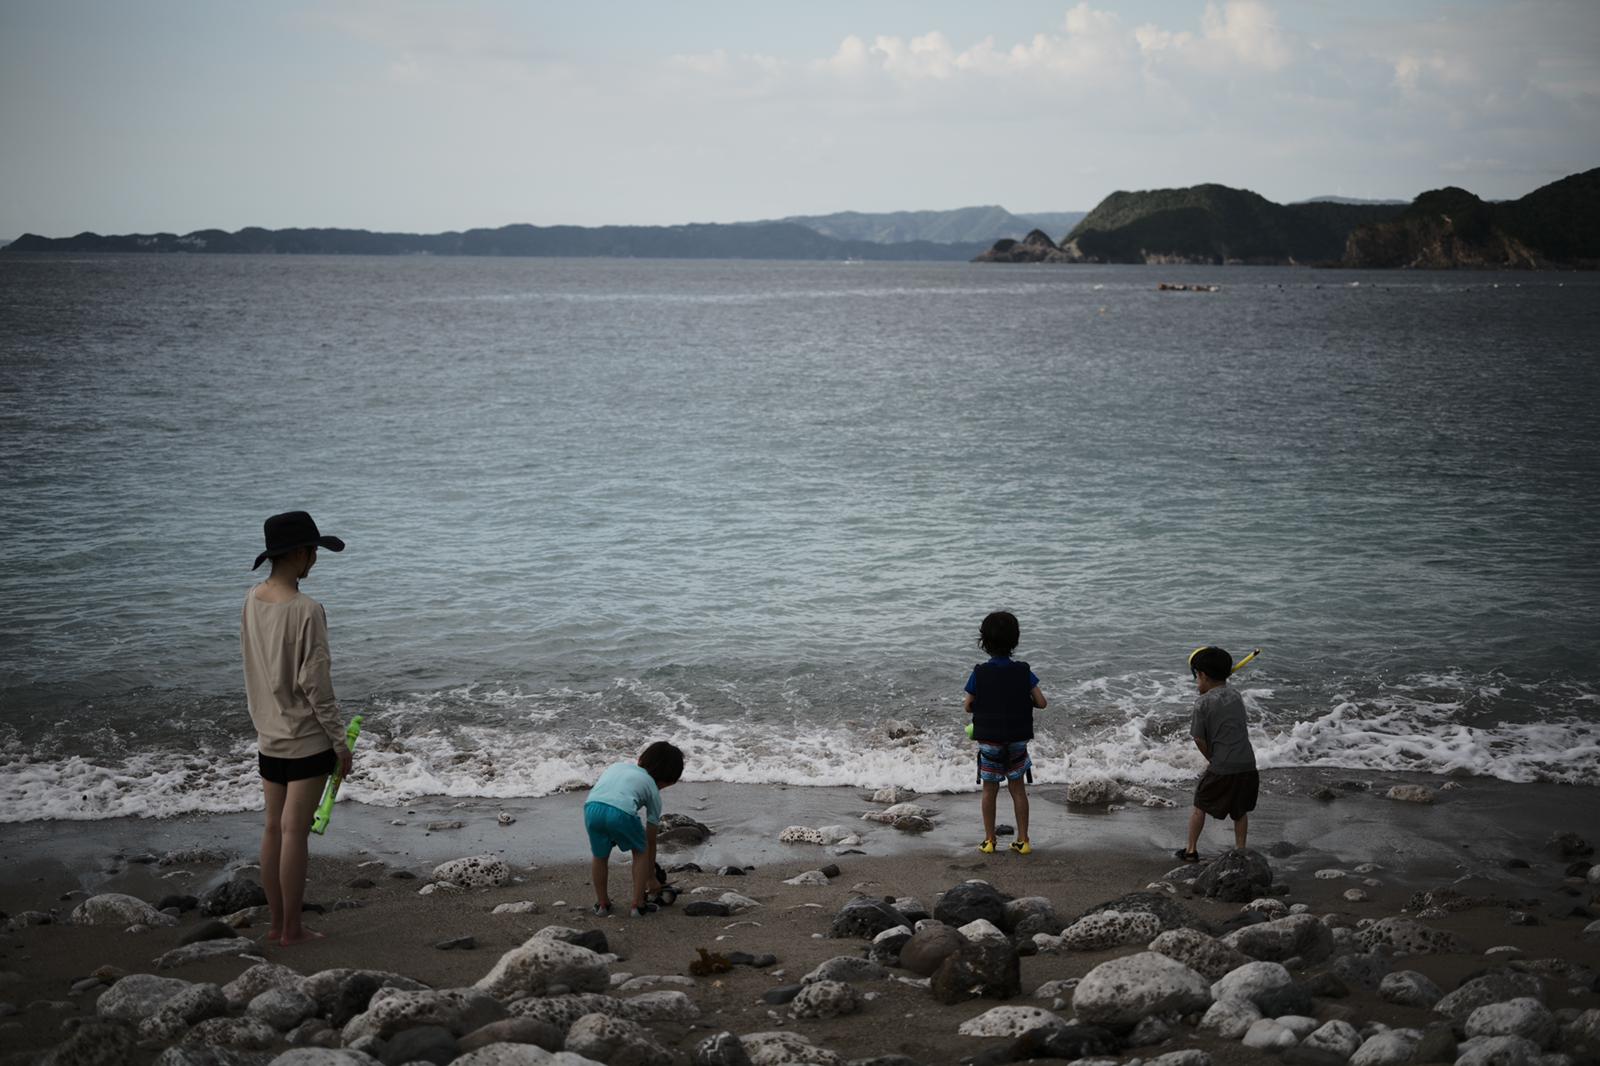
column 282, row 771
column 1227, row 795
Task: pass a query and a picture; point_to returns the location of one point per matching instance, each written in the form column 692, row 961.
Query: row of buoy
column 1167, row 286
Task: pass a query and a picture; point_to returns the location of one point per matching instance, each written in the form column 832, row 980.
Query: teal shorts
column 612, row 828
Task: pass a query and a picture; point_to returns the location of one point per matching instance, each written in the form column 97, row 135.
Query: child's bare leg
column 1019, row 806
column 299, row 806
column 1197, row 822
column 641, row 879
column 1241, row 829
column 991, row 790
column 600, row 877
column 270, row 844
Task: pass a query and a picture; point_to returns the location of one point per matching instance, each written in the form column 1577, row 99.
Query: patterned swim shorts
column 1003, row 762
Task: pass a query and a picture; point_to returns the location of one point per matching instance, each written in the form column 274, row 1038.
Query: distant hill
column 773, row 240
column 1553, row 226
column 962, row 225
column 1556, row 225
column 1215, row 224
column 1055, row 221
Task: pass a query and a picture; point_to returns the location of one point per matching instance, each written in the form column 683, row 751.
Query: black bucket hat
column 290, row 530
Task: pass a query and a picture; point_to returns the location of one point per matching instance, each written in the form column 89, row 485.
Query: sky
column 177, row 115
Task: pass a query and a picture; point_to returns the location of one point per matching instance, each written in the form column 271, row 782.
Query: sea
column 760, row 508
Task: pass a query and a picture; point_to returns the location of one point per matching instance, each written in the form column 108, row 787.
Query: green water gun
column 319, row 823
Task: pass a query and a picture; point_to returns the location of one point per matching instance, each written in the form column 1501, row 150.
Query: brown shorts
column 282, row 771
column 1227, row 795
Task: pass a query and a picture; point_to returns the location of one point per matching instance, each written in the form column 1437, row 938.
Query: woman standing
column 283, row 635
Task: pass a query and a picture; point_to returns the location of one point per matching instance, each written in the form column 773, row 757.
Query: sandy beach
column 1488, row 841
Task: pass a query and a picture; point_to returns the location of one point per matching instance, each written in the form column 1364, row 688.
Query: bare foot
column 302, row 937
column 272, row 937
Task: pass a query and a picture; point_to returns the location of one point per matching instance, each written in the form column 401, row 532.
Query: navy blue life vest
column 1002, row 706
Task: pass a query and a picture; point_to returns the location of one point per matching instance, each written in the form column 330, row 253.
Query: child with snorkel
column 1001, row 697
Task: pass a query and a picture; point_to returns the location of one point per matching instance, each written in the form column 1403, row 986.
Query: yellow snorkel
column 1240, row 665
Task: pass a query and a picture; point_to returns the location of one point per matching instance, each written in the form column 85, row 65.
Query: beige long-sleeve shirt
column 288, row 677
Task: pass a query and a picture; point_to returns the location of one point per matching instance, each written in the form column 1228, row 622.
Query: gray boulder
column 135, row 997
column 316, row 1056
column 1109, row 929
column 543, row 967
column 986, row 968
column 115, row 908
column 282, row 1008
column 1029, row 915
column 459, row 1010
column 822, row 999
column 256, row 980
column 1337, row 1037
column 1497, row 986
column 193, row 1005
column 845, row 968
column 1253, row 983
column 1009, row 1021
column 238, row 894
column 425, row 1043
column 1230, row 1018
column 476, row 871
column 242, row 1033
column 930, row 946
column 1391, row 1047
column 1236, row 876
column 1171, row 913
column 1300, row 936
column 969, row 901
column 616, row 1042
column 338, row 991
column 785, row 1048
column 1118, row 993
column 1407, row 937
column 866, row 918
column 1498, row 1051
column 1525, row 1017
column 1205, row 955
column 1409, row 989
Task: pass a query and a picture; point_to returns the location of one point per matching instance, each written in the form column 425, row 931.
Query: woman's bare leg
column 299, row 807
column 271, row 838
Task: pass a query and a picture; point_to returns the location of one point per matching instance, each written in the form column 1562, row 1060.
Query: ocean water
column 760, row 508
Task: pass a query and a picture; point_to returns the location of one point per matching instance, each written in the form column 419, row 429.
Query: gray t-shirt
column 1219, row 720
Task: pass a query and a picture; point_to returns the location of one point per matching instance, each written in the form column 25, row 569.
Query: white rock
column 321, row 1056
column 615, row 1040
column 1392, row 1047
column 1409, row 794
column 440, row 888
column 256, row 980
column 1593, row 876
column 736, row 903
column 1045, row 944
column 810, row 877
column 1267, row 906
column 1122, row 991
column 834, row 834
column 541, row 965
column 845, row 968
column 981, row 929
column 460, row 1010
column 649, row 980
column 474, row 871
column 825, row 999
column 1009, row 1021
column 1356, row 895
column 1328, row 875
column 282, row 1008
column 901, row 810
column 1591, row 931
column 1187, row 1057
column 1298, row 1024
column 193, row 1005
column 1268, row 1034
column 1525, row 1017
column 1056, row 989
column 1295, row 936
column 799, row 834
column 137, row 996
column 1499, row 1051
column 1252, row 980
column 1206, row 955
column 1338, row 1037
column 661, row 1006
column 522, row 906
column 1109, row 929
column 892, row 794
column 782, row 1048
column 114, row 908
column 1368, row 868
column 1230, row 1018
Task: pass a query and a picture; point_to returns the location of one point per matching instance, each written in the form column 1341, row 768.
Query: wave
column 499, row 742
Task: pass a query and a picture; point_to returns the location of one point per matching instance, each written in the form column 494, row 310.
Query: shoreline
column 368, row 874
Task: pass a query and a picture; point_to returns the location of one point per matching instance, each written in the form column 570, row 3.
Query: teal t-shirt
column 627, row 786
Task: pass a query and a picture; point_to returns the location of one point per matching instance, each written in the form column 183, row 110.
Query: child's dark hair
column 1213, row 662
column 663, row 762
column 999, row 634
